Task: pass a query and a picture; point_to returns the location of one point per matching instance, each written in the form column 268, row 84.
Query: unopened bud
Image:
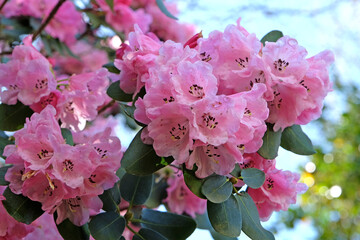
column 192, row 42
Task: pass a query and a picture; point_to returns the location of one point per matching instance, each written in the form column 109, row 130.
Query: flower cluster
column 64, row 178
column 208, row 102
column 66, row 23
column 29, row 78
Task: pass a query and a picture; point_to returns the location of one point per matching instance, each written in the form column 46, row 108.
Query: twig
column 110, row 104
column 48, row 19
column 3, row 4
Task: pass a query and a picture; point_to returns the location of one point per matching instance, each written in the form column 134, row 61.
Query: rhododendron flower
column 27, row 76
column 181, row 200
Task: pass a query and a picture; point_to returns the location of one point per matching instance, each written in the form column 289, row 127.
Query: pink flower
column 89, row 59
column 44, row 226
column 279, row 190
column 66, row 23
column 27, row 76
column 171, row 132
column 78, row 209
column 166, row 28
column 235, row 58
column 136, row 60
column 181, row 200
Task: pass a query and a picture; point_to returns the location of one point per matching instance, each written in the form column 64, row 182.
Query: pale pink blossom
column 181, row 200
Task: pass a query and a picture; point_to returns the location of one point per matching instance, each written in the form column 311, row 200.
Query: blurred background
column 330, row 209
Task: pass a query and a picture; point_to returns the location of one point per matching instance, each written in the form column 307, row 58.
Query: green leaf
column 170, row 225
column 141, row 159
column 253, row 177
column 193, row 183
column 203, row 222
column 115, row 92
column 136, row 189
column 271, row 143
column 107, row 226
column 47, row 46
column 237, row 171
column 120, row 173
column 12, row 117
column 250, row 218
column 225, row 217
column 4, row 140
column 3, row 171
column 69, row 231
column 149, row 234
column 218, row 236
column 21, row 208
column 296, row 141
column 217, row 189
column 163, row 8
column 67, row 135
column 111, row 68
column 272, row 36
column 111, row 4
column 111, row 198
column 158, row 193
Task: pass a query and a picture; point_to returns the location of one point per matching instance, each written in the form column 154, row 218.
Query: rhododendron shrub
column 211, row 113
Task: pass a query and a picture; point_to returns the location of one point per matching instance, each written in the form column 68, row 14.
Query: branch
column 3, row 4
column 48, row 19
column 110, row 104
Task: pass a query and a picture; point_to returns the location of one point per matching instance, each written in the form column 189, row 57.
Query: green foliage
column 148, row 234
column 171, row 226
column 67, row 135
column 225, row 217
column 203, row 222
column 193, row 183
column 136, row 189
column 111, row 68
column 271, row 143
column 107, row 226
column 217, row 189
column 158, row 193
column 115, row 92
column 4, row 140
column 253, row 177
column 3, row 171
column 163, row 8
column 251, row 225
column 71, row 232
column 272, row 36
column 111, row 198
column 296, row 141
column 111, row 4
column 12, row 117
column 141, row 159
column 21, row 208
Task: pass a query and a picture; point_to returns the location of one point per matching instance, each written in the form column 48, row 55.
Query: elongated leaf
column 158, row 193
column 250, row 218
column 141, row 159
column 253, row 177
column 107, row 226
column 296, row 141
column 115, row 92
column 12, row 117
column 171, row 226
column 271, row 143
column 3, row 171
column 136, row 189
column 111, row 68
column 203, row 222
column 193, row 183
column 111, row 198
column 236, row 172
column 21, row 208
column 272, row 36
column 69, row 231
column 225, row 217
column 149, row 234
column 163, row 8
column 218, row 236
column 67, row 135
column 217, row 188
